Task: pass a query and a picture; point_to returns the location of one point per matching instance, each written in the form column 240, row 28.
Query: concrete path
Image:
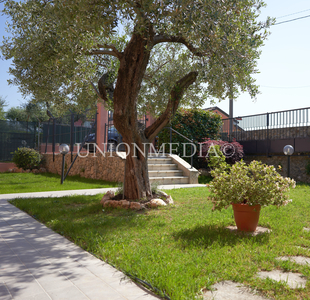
column 37, row 263
column 56, row 194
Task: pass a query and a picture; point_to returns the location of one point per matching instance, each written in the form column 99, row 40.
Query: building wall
column 297, row 169
column 109, row 168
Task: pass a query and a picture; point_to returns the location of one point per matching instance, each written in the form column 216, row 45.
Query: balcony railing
column 275, row 125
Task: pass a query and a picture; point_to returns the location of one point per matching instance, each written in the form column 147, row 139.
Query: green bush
column 195, row 124
column 308, row 168
column 26, row 158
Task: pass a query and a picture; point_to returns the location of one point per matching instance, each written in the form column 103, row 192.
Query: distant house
column 225, row 118
column 217, row 110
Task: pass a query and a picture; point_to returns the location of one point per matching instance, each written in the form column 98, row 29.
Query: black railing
column 183, row 136
column 275, row 125
column 14, row 135
column 55, row 132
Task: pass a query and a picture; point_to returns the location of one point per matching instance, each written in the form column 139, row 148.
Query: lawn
column 183, row 249
column 43, row 182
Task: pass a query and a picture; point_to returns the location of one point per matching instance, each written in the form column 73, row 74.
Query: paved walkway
column 37, row 263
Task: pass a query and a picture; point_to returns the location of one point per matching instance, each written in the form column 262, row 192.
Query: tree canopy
column 2, row 105
column 155, row 54
column 58, row 47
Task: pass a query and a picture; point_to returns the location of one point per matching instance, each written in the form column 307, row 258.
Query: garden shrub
column 308, row 168
column 26, row 158
column 233, row 151
column 195, row 124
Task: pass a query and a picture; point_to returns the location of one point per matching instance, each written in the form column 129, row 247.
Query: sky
column 284, row 65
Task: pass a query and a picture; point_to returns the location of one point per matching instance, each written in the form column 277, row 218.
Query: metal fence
column 54, row 132
column 268, row 133
column 63, row 133
column 275, row 125
column 14, row 135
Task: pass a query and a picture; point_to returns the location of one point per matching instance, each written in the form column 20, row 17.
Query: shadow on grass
column 82, row 212
column 206, row 235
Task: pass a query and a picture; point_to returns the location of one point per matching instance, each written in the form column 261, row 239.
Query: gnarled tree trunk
column 131, row 71
column 133, row 63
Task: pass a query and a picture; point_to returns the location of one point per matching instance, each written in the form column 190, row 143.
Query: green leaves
column 195, row 124
column 252, row 184
column 51, row 42
column 26, row 158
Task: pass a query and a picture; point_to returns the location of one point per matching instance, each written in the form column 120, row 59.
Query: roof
column 216, row 108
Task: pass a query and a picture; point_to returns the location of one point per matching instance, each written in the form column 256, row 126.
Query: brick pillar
column 102, row 119
column 149, row 121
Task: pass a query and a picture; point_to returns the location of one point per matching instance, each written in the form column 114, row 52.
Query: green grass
column 184, row 249
column 29, row 182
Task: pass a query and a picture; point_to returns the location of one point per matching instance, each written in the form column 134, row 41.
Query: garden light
column 63, row 149
column 288, row 150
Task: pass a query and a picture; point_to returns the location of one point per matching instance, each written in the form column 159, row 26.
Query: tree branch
column 97, row 92
column 114, row 50
column 160, row 66
column 107, row 52
column 172, row 106
column 105, row 86
column 177, row 39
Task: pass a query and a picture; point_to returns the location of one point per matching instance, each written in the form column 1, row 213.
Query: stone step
column 158, row 155
column 161, row 160
column 155, row 167
column 169, row 180
column 165, row 173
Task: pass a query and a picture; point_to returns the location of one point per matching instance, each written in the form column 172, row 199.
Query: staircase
column 162, row 170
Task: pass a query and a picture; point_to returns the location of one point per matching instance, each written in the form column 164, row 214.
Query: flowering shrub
column 233, row 151
column 251, row 184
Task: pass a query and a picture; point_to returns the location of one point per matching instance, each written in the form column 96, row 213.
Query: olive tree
column 156, row 54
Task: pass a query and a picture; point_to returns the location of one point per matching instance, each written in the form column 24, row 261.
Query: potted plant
column 247, row 187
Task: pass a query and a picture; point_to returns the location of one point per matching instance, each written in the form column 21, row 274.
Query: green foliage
column 203, row 179
column 16, row 114
column 251, row 184
column 232, row 151
column 219, row 39
column 195, row 124
column 26, row 158
column 217, row 158
column 2, row 105
column 160, row 78
column 308, row 167
column 154, row 187
column 27, row 113
column 120, row 188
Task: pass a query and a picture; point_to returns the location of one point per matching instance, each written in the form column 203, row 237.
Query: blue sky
column 284, row 65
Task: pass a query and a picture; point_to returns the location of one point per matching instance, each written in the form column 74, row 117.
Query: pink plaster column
column 149, row 121
column 102, row 119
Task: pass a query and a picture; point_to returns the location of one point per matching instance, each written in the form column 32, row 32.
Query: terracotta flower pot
column 246, row 216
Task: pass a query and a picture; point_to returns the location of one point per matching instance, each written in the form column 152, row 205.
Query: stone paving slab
column 37, row 263
column 229, row 290
column 259, row 230
column 297, row 259
column 293, row 280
